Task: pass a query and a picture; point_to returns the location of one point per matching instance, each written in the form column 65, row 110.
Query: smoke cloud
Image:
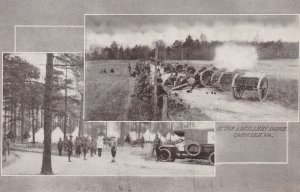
column 232, row 56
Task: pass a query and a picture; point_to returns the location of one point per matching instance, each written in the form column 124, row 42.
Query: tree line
column 190, row 49
column 23, row 95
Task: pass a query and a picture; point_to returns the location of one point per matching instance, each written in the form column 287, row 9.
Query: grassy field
column 111, row 96
column 283, row 92
column 107, row 94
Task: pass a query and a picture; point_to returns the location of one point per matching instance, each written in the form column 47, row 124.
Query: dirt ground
column 130, row 161
column 281, row 103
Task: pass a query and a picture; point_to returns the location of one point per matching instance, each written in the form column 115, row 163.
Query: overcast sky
column 39, row 60
column 129, row 30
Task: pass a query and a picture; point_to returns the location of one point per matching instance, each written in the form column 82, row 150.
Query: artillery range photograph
column 191, row 67
column 122, row 149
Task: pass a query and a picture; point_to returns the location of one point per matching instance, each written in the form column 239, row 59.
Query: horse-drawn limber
column 220, row 79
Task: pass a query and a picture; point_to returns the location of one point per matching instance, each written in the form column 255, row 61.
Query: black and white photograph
column 42, row 105
column 122, row 149
column 191, row 67
column 149, row 95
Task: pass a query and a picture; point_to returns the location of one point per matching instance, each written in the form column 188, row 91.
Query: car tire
column 211, row 158
column 165, row 155
column 191, row 145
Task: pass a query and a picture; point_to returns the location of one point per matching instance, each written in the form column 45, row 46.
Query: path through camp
column 130, row 161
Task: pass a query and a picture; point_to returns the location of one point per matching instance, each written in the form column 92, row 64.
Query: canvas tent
column 56, row 134
column 75, row 132
column 148, row 136
column 39, row 136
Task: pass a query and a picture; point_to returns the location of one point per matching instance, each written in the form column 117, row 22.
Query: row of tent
column 58, row 133
column 148, row 136
column 55, row 135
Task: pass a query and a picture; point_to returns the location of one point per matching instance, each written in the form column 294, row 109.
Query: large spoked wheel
column 211, row 158
column 165, row 155
column 262, row 89
column 205, row 77
column 237, row 92
column 193, row 149
column 225, row 81
column 190, row 70
column 179, row 68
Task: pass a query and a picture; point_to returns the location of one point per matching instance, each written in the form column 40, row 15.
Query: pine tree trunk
column 22, row 118
column 37, row 118
column 4, row 121
column 32, row 121
column 42, row 117
column 15, row 121
column 46, row 164
column 80, row 133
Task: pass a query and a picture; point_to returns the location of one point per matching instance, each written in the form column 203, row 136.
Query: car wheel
column 165, row 155
column 193, row 149
column 211, row 158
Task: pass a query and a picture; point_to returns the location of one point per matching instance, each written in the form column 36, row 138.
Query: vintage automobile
column 193, row 144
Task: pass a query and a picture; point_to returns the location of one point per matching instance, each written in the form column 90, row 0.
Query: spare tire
column 211, row 158
column 165, row 155
column 193, row 149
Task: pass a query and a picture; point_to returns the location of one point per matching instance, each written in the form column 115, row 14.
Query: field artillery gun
column 206, row 76
column 222, row 80
column 177, row 68
column 242, row 83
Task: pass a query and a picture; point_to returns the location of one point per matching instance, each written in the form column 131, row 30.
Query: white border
column 40, row 26
column 216, row 121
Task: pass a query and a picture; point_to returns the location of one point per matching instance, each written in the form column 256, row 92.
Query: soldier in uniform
column 193, row 81
column 157, row 144
column 129, row 69
column 100, row 143
column 161, row 92
column 70, row 148
column 113, row 148
column 85, row 148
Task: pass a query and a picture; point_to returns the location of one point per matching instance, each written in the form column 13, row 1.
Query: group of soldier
column 188, row 78
column 104, row 70
column 84, row 145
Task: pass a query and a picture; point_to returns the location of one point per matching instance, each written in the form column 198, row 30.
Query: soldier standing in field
column 70, row 148
column 129, row 69
column 161, row 92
